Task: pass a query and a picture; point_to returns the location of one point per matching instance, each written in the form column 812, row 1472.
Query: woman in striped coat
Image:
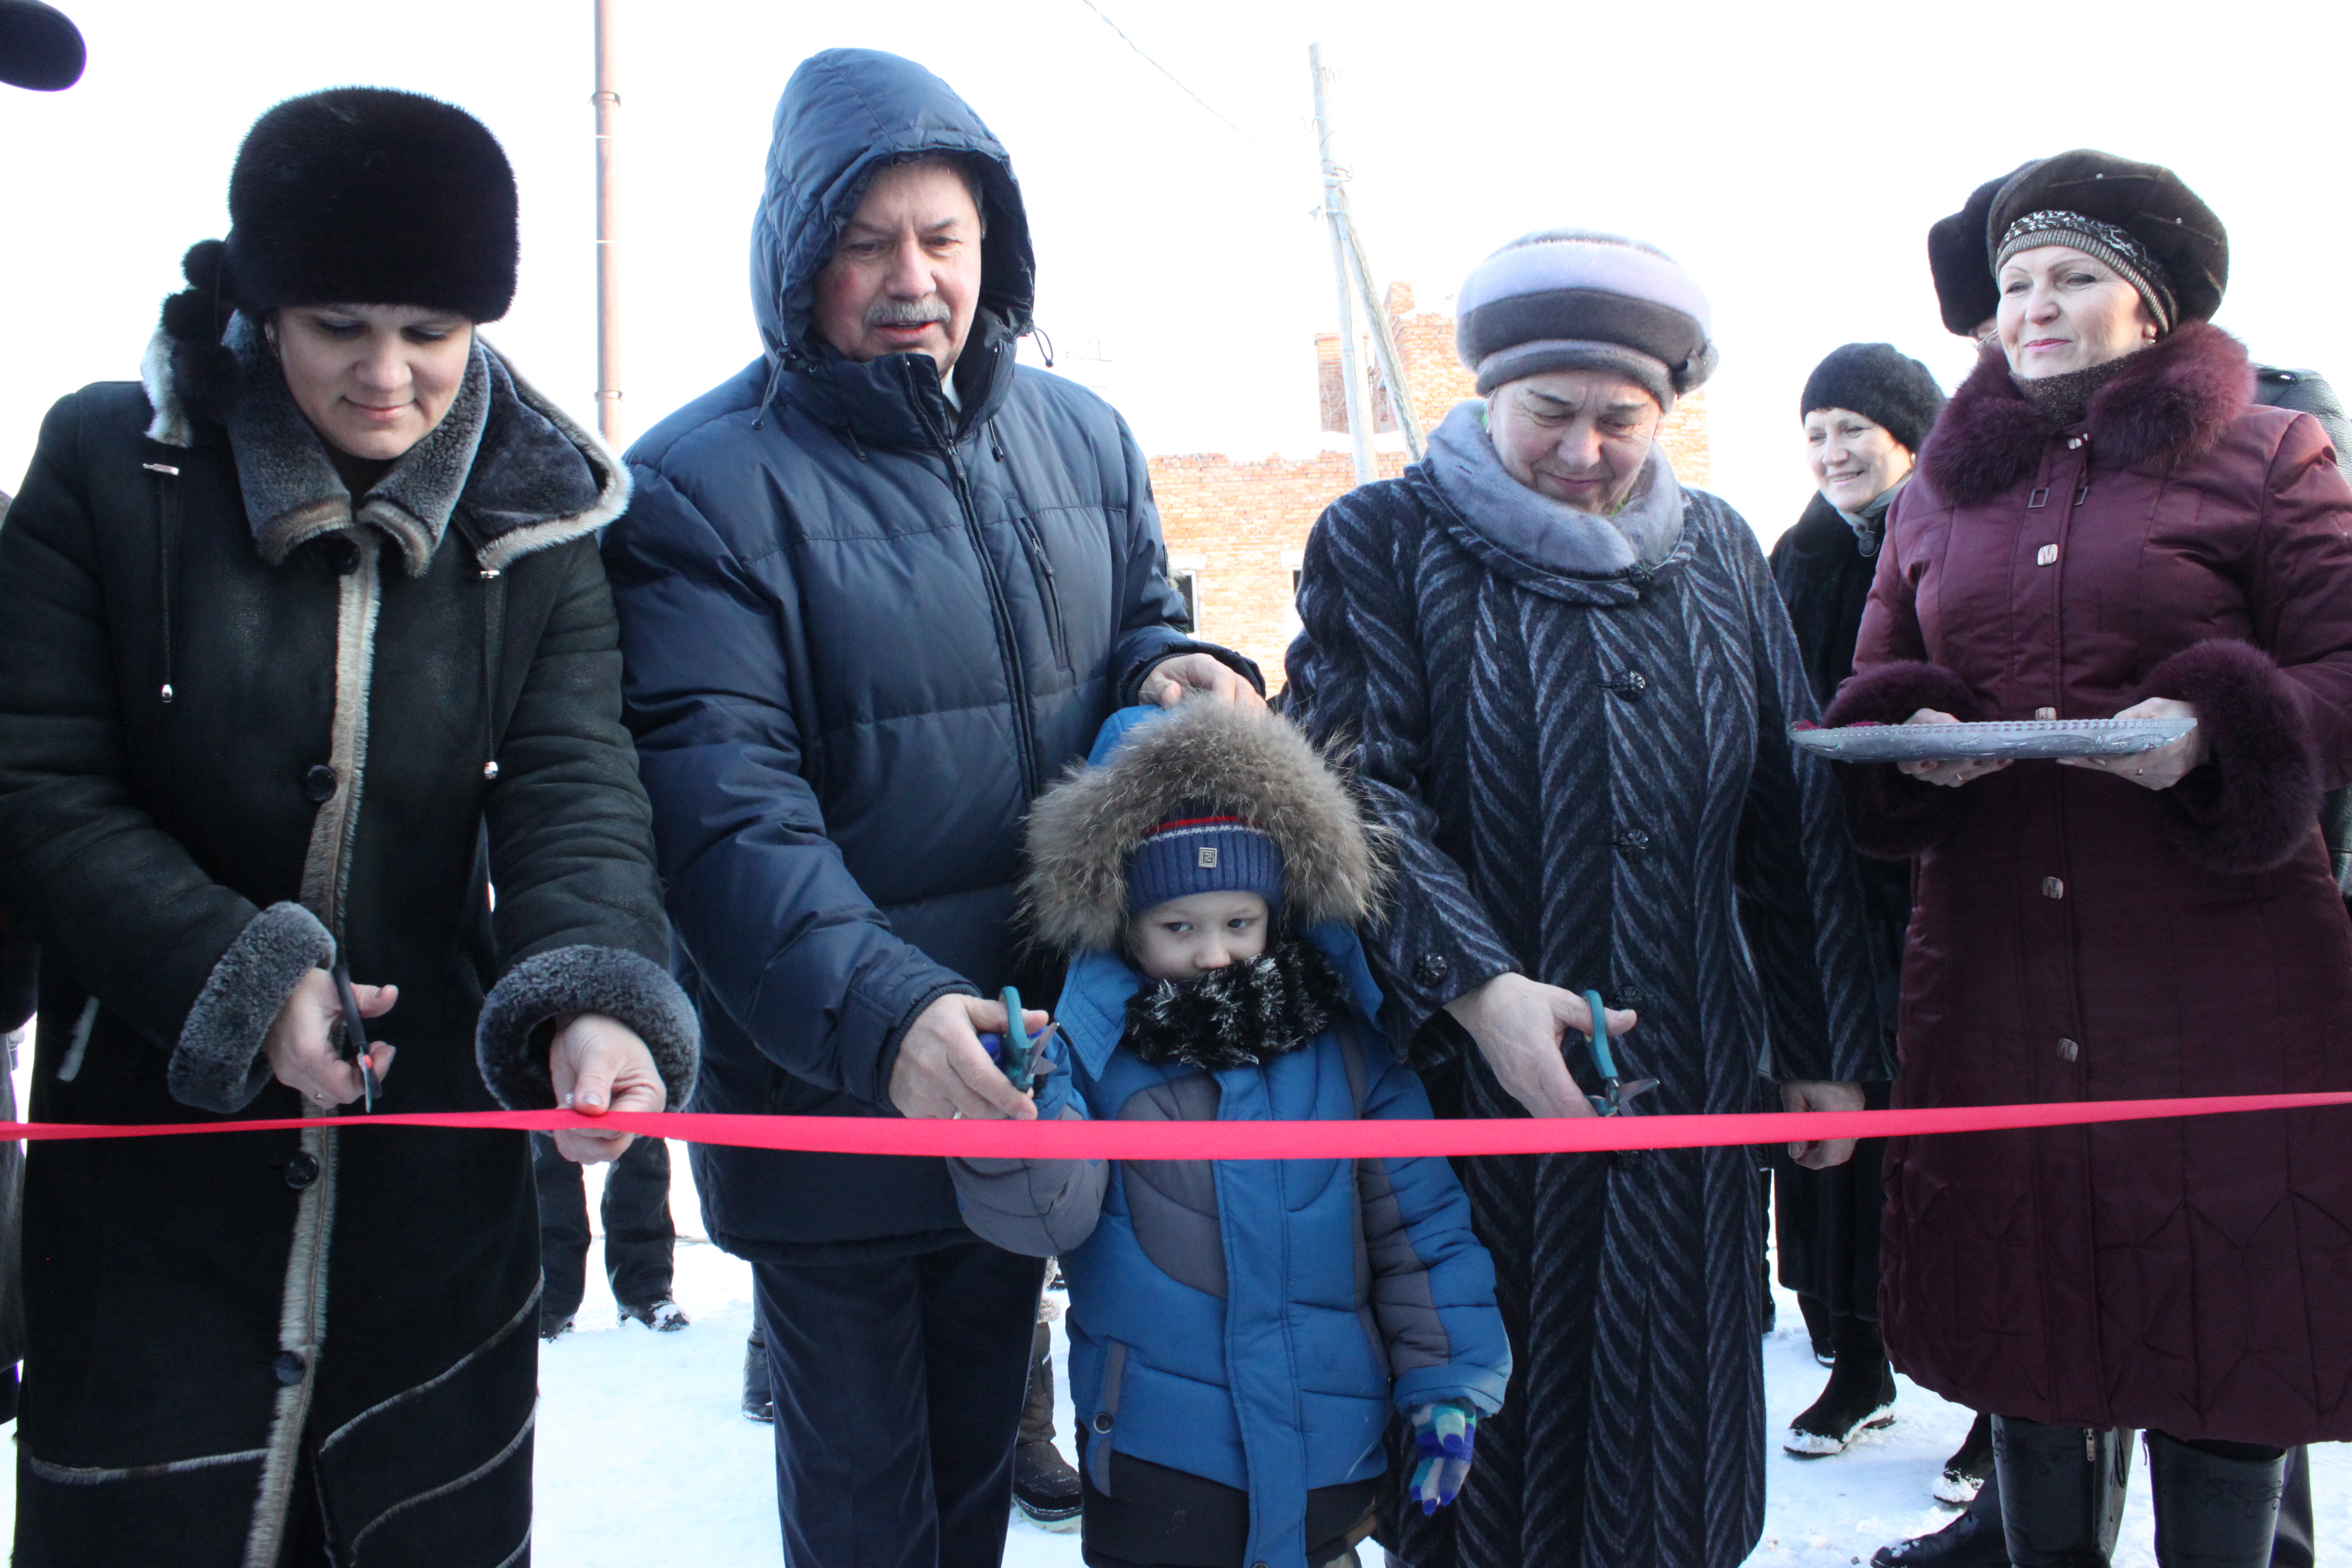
column 1571, row 680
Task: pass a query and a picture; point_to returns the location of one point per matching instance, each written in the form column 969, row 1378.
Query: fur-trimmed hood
column 1148, row 763
column 2172, row 402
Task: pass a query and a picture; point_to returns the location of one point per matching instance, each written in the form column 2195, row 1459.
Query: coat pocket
column 1049, row 587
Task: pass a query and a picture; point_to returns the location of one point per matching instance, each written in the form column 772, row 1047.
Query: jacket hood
column 2173, row 400
column 1148, row 765
column 846, row 113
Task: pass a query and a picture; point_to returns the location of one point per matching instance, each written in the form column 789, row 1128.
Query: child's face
column 1186, row 938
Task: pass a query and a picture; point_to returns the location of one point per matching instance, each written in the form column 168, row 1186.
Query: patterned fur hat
column 1248, row 764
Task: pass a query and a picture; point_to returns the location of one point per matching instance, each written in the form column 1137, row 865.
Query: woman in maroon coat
column 2103, row 524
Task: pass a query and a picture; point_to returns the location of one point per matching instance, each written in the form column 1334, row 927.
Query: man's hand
column 1519, row 1024
column 300, row 1044
column 1821, row 1152
column 2159, row 767
column 1171, row 678
column 943, row 1070
column 599, row 1064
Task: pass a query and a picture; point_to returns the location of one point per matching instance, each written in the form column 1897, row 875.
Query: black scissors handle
column 354, row 1045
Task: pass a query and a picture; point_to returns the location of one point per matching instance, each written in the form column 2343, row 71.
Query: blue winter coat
column 862, row 630
column 1251, row 1320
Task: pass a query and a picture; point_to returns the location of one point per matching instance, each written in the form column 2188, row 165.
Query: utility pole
column 1360, row 418
column 607, row 99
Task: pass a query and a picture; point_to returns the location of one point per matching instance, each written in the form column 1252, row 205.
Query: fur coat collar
column 526, row 476
column 2172, row 403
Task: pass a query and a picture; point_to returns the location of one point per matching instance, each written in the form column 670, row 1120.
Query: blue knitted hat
column 1202, row 851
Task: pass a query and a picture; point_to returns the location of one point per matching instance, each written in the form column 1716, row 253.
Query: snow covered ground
column 644, row 1460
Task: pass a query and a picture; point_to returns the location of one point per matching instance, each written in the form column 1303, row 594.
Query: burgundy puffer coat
column 2079, row 938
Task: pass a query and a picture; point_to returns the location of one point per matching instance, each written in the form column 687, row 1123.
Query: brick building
column 1236, row 530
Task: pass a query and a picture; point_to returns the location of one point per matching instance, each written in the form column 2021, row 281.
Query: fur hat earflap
column 1252, row 765
column 204, row 368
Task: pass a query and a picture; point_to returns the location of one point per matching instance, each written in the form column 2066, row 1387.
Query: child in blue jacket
column 1240, row 1331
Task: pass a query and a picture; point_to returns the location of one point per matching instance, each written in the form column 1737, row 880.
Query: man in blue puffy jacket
column 875, row 592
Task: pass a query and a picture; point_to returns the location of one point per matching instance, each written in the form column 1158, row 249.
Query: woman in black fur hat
column 1866, row 408
column 309, row 637
column 2106, row 524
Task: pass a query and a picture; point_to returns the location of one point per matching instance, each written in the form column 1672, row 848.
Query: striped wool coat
column 1591, row 784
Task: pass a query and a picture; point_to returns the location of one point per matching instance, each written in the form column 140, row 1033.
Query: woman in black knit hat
column 309, row 637
column 1866, row 409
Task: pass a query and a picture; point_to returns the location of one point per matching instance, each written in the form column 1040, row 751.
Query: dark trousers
column 638, row 1235
column 898, row 1385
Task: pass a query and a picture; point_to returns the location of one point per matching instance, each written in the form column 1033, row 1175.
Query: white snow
column 644, row 1458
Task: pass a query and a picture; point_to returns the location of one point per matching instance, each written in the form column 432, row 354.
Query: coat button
column 1630, row 997
column 1629, row 686
column 2051, row 888
column 2045, row 713
column 1102, row 1421
column 1633, row 842
column 301, row 1171
column 2046, row 556
column 1430, row 968
column 2068, row 1050
column 288, row 1368
column 2074, row 443
column 319, row 784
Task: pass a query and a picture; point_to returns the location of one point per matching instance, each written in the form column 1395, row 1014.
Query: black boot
column 1972, row 1541
column 1966, row 1472
column 2062, row 1491
column 1043, row 1484
column 758, row 1397
column 2217, row 1504
column 1860, row 1396
column 1821, row 1328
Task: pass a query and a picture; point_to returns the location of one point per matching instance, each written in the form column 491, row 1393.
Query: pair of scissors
column 353, row 1047
column 1619, row 1094
column 1013, row 1050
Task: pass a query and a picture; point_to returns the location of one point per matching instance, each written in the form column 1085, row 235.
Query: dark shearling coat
column 215, row 773
column 2080, row 938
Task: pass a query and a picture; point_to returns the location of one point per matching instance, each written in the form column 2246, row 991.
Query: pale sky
column 1791, row 156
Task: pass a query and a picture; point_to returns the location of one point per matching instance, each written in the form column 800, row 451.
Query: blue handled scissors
column 1605, row 1064
column 1013, row 1050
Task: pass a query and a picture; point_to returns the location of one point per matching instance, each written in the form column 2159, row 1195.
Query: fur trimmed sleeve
column 1895, row 818
column 512, row 1039
column 216, row 1064
column 2255, row 800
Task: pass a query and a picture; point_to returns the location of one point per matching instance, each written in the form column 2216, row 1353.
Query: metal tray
column 2012, row 738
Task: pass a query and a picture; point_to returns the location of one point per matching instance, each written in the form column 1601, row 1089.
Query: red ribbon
column 1250, row 1140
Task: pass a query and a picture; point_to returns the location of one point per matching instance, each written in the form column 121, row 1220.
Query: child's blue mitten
column 1443, row 1436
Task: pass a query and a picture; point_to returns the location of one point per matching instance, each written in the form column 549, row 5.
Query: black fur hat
column 1883, row 384
column 359, row 196
column 1959, row 256
column 2148, row 201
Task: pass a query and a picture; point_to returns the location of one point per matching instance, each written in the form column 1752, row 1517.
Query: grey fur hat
column 1251, row 764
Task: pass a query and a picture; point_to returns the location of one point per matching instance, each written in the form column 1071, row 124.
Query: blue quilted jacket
column 1250, row 1322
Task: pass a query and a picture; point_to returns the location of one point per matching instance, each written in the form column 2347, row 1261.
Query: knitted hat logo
column 1199, row 852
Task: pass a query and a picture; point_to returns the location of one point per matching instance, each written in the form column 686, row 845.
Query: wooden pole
column 1360, row 418
column 607, row 99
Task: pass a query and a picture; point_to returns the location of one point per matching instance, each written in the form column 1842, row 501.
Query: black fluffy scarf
column 1242, row 1016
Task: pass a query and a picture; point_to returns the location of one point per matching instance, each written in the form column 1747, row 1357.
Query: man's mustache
column 908, row 312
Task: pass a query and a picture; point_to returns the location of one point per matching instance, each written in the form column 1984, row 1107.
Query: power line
column 1163, row 70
